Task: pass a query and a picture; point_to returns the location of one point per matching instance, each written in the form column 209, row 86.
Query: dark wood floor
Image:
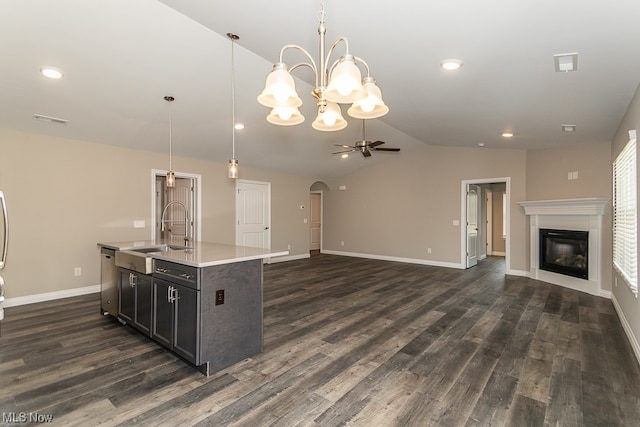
column 347, row 341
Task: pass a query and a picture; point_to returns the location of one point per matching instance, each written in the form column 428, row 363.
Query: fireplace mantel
column 568, row 214
column 589, row 206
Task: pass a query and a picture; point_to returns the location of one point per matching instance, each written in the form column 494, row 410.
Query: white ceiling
column 121, row 57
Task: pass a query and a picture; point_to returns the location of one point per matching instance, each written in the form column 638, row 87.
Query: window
column 625, row 229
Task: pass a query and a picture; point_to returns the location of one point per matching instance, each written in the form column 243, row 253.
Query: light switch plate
column 138, row 223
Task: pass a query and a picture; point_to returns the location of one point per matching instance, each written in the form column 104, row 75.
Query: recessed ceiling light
column 51, row 72
column 507, row 134
column 239, row 126
column 480, row 144
column 345, row 155
column 568, row 128
column 451, row 64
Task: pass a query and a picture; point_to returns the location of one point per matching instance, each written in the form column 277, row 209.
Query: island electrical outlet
column 220, row 296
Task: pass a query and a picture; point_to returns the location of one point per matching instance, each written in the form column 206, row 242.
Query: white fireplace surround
column 568, row 214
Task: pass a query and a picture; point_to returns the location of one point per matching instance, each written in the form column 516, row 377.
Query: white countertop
column 200, row 254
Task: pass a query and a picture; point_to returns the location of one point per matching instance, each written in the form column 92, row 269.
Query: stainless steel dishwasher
column 108, row 282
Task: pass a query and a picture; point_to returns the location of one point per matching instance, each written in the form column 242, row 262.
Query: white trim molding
column 588, row 206
column 49, row 296
column 396, row 259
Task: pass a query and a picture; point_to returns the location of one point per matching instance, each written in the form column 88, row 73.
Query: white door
column 253, row 207
column 473, row 192
column 316, row 221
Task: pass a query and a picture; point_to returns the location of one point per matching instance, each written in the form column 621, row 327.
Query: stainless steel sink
column 141, row 259
column 162, row 248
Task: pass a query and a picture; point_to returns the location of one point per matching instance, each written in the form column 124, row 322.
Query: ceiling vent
column 566, row 62
column 50, row 119
column 568, row 128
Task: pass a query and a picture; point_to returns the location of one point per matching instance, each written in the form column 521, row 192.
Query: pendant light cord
column 233, row 99
column 170, row 137
column 170, row 99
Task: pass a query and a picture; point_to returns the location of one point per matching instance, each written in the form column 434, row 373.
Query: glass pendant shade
column 171, row 179
column 330, row 120
column 285, row 116
column 345, row 84
column 370, row 107
column 279, row 90
column 233, row 168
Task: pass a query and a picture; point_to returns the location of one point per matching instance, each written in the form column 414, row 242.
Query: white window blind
column 625, row 259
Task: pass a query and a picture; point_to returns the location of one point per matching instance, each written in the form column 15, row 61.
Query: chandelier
column 338, row 83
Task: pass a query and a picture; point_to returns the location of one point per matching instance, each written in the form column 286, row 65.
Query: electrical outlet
column 428, row 250
column 220, row 296
column 288, row 247
column 341, row 243
column 77, row 271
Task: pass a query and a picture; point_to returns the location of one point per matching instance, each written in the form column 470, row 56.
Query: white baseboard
column 288, row 258
column 397, row 259
column 521, row 273
column 494, row 253
column 606, row 294
column 627, row 328
column 48, row 296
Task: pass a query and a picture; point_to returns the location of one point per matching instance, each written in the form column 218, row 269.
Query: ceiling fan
column 364, row 146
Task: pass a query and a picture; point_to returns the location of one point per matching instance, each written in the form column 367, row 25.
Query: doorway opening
column 176, row 210
column 485, row 208
column 316, row 203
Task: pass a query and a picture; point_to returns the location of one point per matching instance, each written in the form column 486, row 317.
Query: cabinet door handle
column 134, row 280
column 169, row 291
column 176, row 297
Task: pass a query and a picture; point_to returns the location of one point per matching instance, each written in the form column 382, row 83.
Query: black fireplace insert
column 565, row 252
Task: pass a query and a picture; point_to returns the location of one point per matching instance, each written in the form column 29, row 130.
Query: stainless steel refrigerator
column 4, row 241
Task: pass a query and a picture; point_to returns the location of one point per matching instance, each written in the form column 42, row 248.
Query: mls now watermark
column 26, row 417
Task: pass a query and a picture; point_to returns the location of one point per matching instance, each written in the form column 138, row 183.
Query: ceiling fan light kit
column 337, row 83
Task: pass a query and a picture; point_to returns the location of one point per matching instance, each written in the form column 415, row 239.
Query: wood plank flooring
column 348, row 341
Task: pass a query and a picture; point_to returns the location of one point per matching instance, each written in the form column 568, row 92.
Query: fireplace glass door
column 565, row 252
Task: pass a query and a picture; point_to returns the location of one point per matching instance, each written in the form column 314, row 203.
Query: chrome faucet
column 186, row 220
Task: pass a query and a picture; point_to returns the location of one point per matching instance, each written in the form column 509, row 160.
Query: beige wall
column 547, row 171
column 498, row 241
column 64, row 196
column 407, row 204
column 627, row 304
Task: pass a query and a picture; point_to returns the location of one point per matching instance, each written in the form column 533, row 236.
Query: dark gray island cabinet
column 210, row 316
column 203, row 303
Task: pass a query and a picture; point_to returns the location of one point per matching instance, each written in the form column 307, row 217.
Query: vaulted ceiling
column 121, row 57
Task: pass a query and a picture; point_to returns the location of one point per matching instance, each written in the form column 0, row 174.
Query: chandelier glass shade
column 337, row 83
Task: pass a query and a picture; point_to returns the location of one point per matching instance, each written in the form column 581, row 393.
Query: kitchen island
column 202, row 302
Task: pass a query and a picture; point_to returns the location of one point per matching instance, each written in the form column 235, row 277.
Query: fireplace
column 570, row 214
column 565, row 252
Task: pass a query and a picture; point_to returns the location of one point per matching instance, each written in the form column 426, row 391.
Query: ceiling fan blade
column 343, row 146
column 375, row 144
column 366, row 153
column 345, row 151
column 387, row 149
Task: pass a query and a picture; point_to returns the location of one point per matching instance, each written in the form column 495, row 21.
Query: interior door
column 473, row 193
column 316, row 221
column 253, row 207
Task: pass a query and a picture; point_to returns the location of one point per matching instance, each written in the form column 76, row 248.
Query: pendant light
column 233, row 163
column 171, row 177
